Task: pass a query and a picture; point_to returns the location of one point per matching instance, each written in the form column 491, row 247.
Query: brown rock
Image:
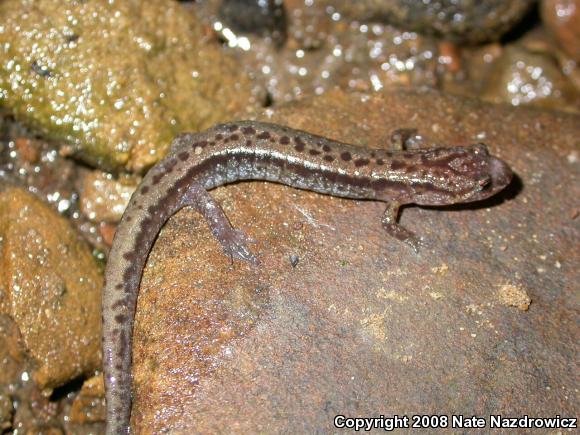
column 107, row 232
column 6, row 412
column 460, row 21
column 28, row 149
column 89, row 405
column 362, row 325
column 12, row 350
column 51, row 286
column 323, row 53
column 102, row 198
column 521, row 76
column 562, row 19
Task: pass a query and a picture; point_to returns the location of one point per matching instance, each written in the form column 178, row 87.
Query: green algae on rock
column 116, row 79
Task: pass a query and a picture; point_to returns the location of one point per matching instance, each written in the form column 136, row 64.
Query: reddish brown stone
column 562, row 18
column 362, row 325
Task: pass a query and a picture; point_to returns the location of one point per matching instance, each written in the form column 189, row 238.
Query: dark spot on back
column 144, row 189
column 232, row 127
column 299, row 144
column 183, row 156
column 380, row 162
column 328, row 158
column 226, row 140
column 385, row 184
column 128, row 219
column 264, row 135
column 314, row 152
column 284, row 140
column 325, row 148
column 234, row 137
column 120, row 318
column 169, row 165
column 219, row 136
column 346, row 156
column 123, row 344
column 119, row 286
column 397, row 164
column 212, row 143
column 248, row 142
column 361, row 162
column 373, row 155
column 248, row 130
column 151, row 209
column 129, row 256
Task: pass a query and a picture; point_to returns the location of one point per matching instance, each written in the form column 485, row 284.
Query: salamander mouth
column 485, row 182
column 500, row 175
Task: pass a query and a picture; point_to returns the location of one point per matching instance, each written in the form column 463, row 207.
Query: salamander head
column 461, row 174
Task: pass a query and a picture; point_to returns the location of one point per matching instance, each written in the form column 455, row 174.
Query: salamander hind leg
column 234, row 244
column 397, row 231
column 234, row 241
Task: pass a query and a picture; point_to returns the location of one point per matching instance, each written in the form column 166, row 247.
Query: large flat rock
column 362, row 326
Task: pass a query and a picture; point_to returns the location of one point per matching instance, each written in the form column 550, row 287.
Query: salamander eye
column 480, row 149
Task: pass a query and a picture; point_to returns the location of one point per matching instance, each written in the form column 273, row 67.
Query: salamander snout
column 499, row 175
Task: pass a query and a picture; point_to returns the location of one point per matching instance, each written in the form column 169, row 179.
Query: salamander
column 251, row 150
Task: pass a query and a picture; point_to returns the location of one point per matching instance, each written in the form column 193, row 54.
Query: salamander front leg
column 407, row 139
column 395, row 230
column 234, row 241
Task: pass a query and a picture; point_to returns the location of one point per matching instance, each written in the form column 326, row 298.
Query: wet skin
column 251, row 150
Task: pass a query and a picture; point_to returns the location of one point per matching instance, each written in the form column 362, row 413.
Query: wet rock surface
column 102, row 198
column 79, row 72
column 360, row 325
column 51, row 286
column 323, row 51
column 262, row 17
column 521, row 76
column 562, row 19
column 89, row 406
column 42, row 167
column 461, row 21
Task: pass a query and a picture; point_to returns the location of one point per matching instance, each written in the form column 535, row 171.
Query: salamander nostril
column 485, row 182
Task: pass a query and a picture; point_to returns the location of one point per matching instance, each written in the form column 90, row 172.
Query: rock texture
column 460, row 21
column 562, row 19
column 116, row 79
column 50, row 285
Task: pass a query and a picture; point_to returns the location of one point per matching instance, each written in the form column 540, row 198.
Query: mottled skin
column 261, row 151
